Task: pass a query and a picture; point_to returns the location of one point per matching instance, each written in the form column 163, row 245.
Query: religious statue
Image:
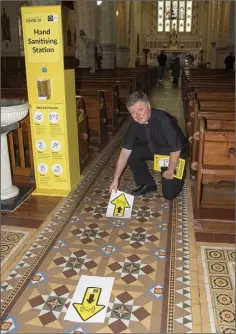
column 5, row 22
column 81, row 48
column 173, row 38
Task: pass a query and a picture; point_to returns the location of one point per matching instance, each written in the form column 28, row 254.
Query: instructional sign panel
column 90, row 300
column 120, row 205
column 51, row 95
column 49, row 136
column 42, row 37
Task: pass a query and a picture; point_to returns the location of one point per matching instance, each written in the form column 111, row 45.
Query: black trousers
column 137, row 163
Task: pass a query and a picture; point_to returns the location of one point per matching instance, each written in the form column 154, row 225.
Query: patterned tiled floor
column 14, row 242
column 11, row 240
column 131, row 250
column 217, row 287
column 152, row 256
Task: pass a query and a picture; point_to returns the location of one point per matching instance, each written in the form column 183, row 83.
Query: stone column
column 108, row 33
column 91, row 12
column 208, row 39
column 132, row 35
column 231, row 30
column 218, row 17
column 85, row 32
column 11, row 114
column 203, row 27
column 122, row 50
column 226, row 21
column 214, row 21
column 8, row 190
column 81, row 33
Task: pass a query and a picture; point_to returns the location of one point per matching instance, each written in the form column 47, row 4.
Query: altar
column 172, row 43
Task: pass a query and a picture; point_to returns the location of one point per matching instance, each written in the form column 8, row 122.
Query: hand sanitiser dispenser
column 51, row 95
column 44, row 89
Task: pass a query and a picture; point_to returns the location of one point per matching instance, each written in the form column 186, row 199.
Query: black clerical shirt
column 161, row 134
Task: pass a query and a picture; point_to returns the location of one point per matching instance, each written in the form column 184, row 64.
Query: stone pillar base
column 9, row 193
column 7, row 189
column 122, row 56
column 108, row 55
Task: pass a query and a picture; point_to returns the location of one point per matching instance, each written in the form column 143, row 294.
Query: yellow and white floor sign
column 90, row 300
column 120, row 205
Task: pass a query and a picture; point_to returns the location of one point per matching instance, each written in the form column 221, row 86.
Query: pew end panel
column 95, row 109
column 82, row 120
column 216, row 158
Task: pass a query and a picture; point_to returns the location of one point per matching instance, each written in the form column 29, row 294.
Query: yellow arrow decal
column 121, row 204
column 89, row 306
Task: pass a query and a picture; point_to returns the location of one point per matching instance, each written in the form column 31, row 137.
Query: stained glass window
column 174, row 15
column 160, row 15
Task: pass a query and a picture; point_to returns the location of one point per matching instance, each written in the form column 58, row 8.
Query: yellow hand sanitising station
column 51, row 95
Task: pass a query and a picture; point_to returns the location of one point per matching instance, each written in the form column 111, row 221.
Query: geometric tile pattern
column 219, row 277
column 71, row 265
column 145, row 213
column 11, row 239
column 79, row 235
column 51, row 230
column 123, row 311
column 80, row 240
column 179, row 305
column 89, row 233
column 131, row 268
column 138, row 237
column 51, row 306
column 133, row 252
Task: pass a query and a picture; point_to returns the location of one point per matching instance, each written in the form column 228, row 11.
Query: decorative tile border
column 219, row 278
column 179, row 314
column 48, row 233
column 11, row 241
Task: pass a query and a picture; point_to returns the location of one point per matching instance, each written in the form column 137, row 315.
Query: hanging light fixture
column 99, row 3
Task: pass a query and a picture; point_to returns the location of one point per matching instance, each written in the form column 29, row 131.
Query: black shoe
column 143, row 189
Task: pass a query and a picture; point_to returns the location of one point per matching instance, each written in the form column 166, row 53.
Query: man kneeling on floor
column 151, row 132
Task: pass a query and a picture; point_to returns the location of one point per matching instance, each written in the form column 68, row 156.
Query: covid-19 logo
column 33, row 19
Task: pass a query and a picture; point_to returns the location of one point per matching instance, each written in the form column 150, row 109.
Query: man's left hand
column 168, row 174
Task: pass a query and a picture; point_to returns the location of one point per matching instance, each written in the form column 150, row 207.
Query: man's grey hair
column 135, row 97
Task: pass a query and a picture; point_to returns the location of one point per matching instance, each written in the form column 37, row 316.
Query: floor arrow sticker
column 120, row 205
column 90, row 300
column 89, row 306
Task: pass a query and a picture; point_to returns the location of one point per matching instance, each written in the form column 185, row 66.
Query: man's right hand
column 114, row 185
column 120, row 166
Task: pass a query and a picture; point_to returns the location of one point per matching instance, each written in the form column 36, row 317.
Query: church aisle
column 148, row 255
column 153, row 257
column 133, row 251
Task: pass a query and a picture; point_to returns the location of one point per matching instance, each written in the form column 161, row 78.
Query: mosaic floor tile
column 12, row 239
column 108, row 247
column 219, row 285
column 151, row 276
